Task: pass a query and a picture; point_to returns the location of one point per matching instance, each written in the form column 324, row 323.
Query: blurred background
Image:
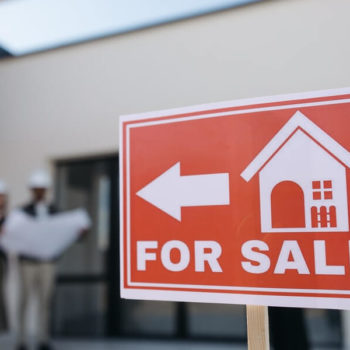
column 68, row 69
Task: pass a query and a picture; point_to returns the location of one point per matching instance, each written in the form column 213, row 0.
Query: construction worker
column 3, row 211
column 37, row 276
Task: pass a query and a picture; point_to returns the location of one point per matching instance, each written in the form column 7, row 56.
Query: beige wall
column 66, row 102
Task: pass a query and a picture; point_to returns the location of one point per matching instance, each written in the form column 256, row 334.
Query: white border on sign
column 241, row 299
column 216, row 297
column 234, row 103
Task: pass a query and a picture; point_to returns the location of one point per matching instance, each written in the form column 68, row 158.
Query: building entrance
column 87, row 301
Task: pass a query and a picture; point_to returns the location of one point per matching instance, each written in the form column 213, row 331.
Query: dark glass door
column 83, row 293
column 87, row 299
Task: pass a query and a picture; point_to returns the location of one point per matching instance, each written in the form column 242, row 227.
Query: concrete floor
column 148, row 345
column 144, row 345
column 7, row 343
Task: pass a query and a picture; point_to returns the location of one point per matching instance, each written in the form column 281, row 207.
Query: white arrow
column 170, row 191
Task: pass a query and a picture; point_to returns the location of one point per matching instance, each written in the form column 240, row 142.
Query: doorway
column 87, row 302
column 83, row 304
column 287, row 205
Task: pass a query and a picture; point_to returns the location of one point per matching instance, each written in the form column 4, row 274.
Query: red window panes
column 316, row 195
column 316, row 185
column 328, row 195
column 327, row 184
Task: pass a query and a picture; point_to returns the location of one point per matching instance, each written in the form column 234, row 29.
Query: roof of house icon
column 297, row 122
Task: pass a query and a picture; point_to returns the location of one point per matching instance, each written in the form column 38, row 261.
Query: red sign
column 238, row 202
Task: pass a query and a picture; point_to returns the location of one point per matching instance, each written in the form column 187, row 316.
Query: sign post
column 241, row 202
column 258, row 327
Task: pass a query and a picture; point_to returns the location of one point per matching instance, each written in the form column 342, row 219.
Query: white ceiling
column 28, row 26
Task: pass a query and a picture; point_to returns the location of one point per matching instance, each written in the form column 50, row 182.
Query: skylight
column 28, row 26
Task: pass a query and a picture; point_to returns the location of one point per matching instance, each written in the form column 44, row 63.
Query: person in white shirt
column 37, row 276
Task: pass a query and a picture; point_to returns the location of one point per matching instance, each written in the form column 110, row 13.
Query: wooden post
column 258, row 327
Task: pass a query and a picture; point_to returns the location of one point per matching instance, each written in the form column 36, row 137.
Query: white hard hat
column 39, row 179
column 3, row 187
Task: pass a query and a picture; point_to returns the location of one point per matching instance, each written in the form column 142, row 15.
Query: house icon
column 302, row 180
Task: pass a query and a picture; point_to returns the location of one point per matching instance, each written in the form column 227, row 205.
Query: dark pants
column 288, row 329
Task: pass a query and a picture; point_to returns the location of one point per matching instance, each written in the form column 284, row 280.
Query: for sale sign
column 238, row 202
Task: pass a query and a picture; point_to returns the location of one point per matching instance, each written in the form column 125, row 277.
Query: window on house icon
column 322, row 190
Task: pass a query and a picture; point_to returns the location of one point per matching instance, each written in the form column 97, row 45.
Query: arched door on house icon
column 287, row 205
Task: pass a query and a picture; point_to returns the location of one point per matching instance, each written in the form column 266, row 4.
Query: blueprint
column 43, row 239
